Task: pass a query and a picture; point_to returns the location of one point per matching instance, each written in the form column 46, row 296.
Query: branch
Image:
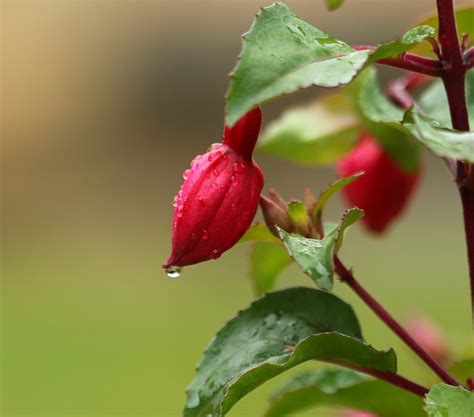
column 454, row 80
column 348, row 278
column 394, row 379
column 408, row 62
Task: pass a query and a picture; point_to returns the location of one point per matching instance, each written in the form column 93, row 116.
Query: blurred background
column 104, row 104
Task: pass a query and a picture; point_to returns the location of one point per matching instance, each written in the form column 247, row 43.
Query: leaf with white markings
column 315, row 256
column 282, row 54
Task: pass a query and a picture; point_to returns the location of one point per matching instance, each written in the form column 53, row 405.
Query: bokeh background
column 104, row 103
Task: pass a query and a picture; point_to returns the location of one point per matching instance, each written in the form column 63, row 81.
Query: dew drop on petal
column 216, row 172
column 205, row 235
column 173, row 272
column 239, row 167
column 193, row 236
column 215, row 253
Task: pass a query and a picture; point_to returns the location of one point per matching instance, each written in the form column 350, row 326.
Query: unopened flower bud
column 430, row 338
column 277, row 199
column 274, row 216
column 219, row 197
column 385, row 189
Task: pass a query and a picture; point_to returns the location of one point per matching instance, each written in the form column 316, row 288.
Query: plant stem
column 409, row 62
column 347, row 277
column 467, row 199
column 455, row 66
column 394, row 379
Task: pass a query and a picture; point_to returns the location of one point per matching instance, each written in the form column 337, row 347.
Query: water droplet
column 193, row 236
column 192, row 400
column 215, row 253
column 175, row 199
column 173, row 272
column 239, row 167
column 233, row 206
column 205, row 235
column 216, row 172
column 179, row 210
column 186, row 174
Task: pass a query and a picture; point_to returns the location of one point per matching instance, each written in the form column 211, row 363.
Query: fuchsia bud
column 275, row 215
column 383, row 191
column 219, row 197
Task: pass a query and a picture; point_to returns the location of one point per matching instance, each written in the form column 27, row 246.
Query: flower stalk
column 347, row 277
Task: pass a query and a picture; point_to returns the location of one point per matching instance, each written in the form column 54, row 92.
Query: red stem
column 455, row 67
column 390, row 377
column 347, row 277
column 409, row 62
column 467, row 199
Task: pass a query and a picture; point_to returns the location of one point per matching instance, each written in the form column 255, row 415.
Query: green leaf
column 408, row 41
column 383, row 119
column 315, row 257
column 320, row 133
column 463, row 370
column 346, row 388
column 329, row 191
column 258, row 233
column 434, row 103
column 447, row 401
column 282, row 54
column 276, row 333
column 334, row 4
column 267, row 261
column 441, row 141
column 350, row 217
column 464, row 23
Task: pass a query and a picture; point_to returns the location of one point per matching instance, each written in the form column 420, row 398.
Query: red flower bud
column 431, row 338
column 219, row 197
column 383, row 191
column 274, row 215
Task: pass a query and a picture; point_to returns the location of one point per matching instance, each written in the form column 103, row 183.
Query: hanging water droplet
column 205, row 235
column 173, row 272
